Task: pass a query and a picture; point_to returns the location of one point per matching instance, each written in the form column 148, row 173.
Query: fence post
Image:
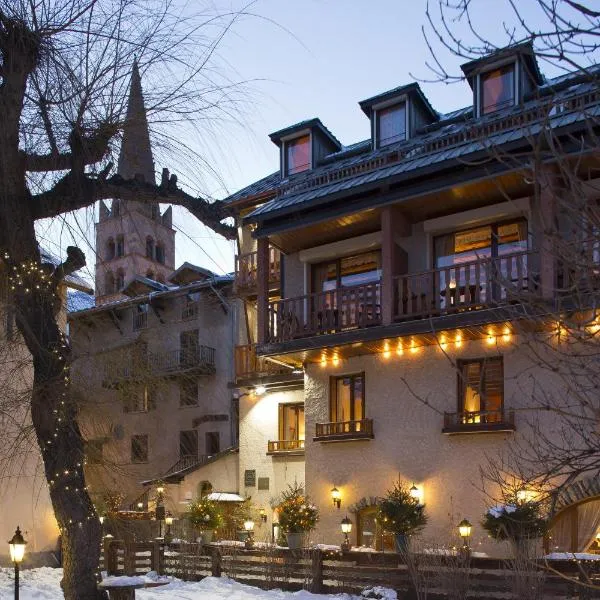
column 317, row 572
column 110, row 556
column 157, row 557
column 216, row 562
column 129, row 559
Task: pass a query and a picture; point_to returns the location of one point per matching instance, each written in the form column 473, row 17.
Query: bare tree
column 64, row 71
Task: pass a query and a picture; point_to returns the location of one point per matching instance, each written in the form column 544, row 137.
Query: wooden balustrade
column 482, row 420
column 284, row 446
column 246, row 270
column 344, row 430
column 248, row 365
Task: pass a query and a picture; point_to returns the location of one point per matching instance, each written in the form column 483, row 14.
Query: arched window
column 120, row 280
column 109, row 283
column 150, row 248
column 120, row 245
column 110, row 249
column 160, row 253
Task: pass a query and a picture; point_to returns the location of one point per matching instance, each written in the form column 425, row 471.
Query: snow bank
column 572, row 556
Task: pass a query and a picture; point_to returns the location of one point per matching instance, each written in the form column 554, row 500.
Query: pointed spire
column 135, row 157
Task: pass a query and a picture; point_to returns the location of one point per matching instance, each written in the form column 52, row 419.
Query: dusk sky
column 314, row 58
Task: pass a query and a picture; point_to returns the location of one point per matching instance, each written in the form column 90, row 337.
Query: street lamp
column 336, row 496
column 263, row 514
column 249, row 527
column 17, row 552
column 464, row 530
column 168, row 523
column 346, row 529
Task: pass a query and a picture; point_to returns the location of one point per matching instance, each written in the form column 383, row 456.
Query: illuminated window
column 481, row 390
column 347, row 398
column 297, row 155
column 291, row 422
column 497, row 89
column 391, row 124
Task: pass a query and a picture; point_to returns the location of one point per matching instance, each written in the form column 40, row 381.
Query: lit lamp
column 249, row 527
column 160, row 489
column 140, row 506
column 17, row 551
column 168, row 523
column 336, row 496
column 259, row 390
column 346, row 525
column 464, row 530
column 415, row 493
column 263, row 515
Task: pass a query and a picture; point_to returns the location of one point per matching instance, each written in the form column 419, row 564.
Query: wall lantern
column 169, row 519
column 16, row 546
column 140, row 506
column 263, row 515
column 526, row 495
column 464, row 530
column 346, row 525
column 336, row 496
column 416, row 493
column 160, row 489
column 259, row 390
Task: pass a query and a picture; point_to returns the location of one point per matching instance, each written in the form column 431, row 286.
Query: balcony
column 140, row 321
column 344, row 431
column 250, row 367
column 452, row 290
column 246, row 272
column 139, row 367
column 285, row 447
column 190, row 311
column 499, row 421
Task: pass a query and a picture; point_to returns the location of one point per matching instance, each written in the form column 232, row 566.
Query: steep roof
column 135, row 157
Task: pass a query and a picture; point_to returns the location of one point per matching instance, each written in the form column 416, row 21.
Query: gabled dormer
column 302, row 146
column 502, row 79
column 396, row 115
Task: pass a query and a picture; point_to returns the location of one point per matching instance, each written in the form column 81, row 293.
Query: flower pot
column 207, row 536
column 401, row 540
column 295, row 540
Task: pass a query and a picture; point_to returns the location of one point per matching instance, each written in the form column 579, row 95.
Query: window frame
column 395, row 104
column 333, row 396
column 462, row 387
column 136, row 439
column 181, row 394
column 120, row 246
column 285, row 159
column 479, row 87
column 281, row 421
column 338, row 269
column 187, row 431
column 217, row 436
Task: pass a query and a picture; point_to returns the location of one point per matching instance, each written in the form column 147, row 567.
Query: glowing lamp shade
column 260, row 390
column 101, row 519
column 416, row 493
column 160, row 489
column 526, row 495
column 249, row 525
column 169, row 519
column 346, row 525
column 464, row 528
column 17, row 547
column 336, row 496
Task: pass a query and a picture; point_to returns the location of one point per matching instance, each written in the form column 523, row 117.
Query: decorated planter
column 295, row 541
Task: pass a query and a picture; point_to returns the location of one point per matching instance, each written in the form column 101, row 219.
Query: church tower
column 133, row 238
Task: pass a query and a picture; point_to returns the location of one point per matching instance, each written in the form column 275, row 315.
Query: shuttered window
column 481, row 390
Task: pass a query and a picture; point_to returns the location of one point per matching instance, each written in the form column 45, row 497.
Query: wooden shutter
column 493, row 393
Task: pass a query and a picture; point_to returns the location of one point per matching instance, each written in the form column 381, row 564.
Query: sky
column 304, row 59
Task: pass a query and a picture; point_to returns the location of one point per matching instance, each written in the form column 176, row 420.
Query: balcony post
column 394, row 260
column 262, row 290
column 544, row 222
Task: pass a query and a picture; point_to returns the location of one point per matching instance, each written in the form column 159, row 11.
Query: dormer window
column 497, row 89
column 391, row 124
column 297, row 155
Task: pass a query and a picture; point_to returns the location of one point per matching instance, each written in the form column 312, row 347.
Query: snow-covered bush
column 516, row 521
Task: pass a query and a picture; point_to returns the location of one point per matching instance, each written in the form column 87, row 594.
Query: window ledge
column 479, row 428
column 344, row 437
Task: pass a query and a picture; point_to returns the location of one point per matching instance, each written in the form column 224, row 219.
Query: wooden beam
column 262, row 287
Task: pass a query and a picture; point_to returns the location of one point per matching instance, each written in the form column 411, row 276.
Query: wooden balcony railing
column 332, row 311
column 467, row 286
column 344, row 430
column 140, row 321
column 246, row 270
column 479, row 421
column 190, row 311
column 285, row 446
column 249, row 366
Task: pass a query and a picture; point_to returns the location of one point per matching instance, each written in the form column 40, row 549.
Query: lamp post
column 168, row 523
column 336, row 496
column 464, row 530
column 249, row 527
column 17, row 552
column 346, row 525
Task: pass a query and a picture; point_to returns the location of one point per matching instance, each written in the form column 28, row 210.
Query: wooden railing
column 190, row 311
column 274, row 446
column 465, row 286
column 332, row 311
column 248, row 365
column 140, row 321
column 491, row 420
column 246, row 270
column 344, row 430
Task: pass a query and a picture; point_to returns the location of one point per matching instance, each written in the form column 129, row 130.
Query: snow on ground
column 44, row 584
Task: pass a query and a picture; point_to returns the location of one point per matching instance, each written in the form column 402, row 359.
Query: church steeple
column 136, row 152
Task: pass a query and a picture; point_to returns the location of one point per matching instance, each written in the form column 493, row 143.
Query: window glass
column 348, row 401
column 291, row 426
column 298, row 155
column 391, row 124
column 110, row 249
column 213, row 443
column 188, row 443
column 139, row 449
column 481, row 389
column 347, row 272
column 497, row 89
column 120, row 250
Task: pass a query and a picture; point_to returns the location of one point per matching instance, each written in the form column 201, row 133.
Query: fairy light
column 506, row 335
column 458, row 340
column 400, row 348
column 491, row 338
column 413, row 347
column 335, row 360
column 386, row 351
column 443, row 343
column 323, row 360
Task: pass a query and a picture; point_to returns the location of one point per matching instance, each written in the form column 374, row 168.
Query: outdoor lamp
column 140, row 505
column 101, row 519
column 346, row 525
column 415, row 493
column 169, row 519
column 160, row 489
column 336, row 496
column 249, row 527
column 263, row 515
column 464, row 529
column 17, row 551
column 260, row 390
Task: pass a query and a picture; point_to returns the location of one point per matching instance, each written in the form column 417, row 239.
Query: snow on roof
column 224, row 497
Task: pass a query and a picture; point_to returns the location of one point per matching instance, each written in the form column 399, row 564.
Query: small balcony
column 250, row 367
column 344, row 431
column 500, row 421
column 246, row 272
column 190, row 311
column 285, row 447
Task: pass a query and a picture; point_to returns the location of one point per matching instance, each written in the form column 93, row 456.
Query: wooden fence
column 323, row 571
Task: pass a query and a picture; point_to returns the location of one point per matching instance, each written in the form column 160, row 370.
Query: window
column 188, row 444
column 120, row 250
column 347, row 272
column 291, row 422
column 110, row 249
column 139, row 448
column 391, row 124
column 93, row 452
column 189, row 347
column 297, row 155
column 120, row 281
column 138, row 398
column 160, row 253
column 497, row 89
column 481, row 390
column 149, row 248
column 188, row 393
column 213, row 442
column 347, row 398
column 109, row 283
column 140, row 316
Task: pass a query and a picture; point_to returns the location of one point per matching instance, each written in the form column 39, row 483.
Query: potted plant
column 518, row 522
column 401, row 514
column 239, row 515
column 297, row 515
column 206, row 516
